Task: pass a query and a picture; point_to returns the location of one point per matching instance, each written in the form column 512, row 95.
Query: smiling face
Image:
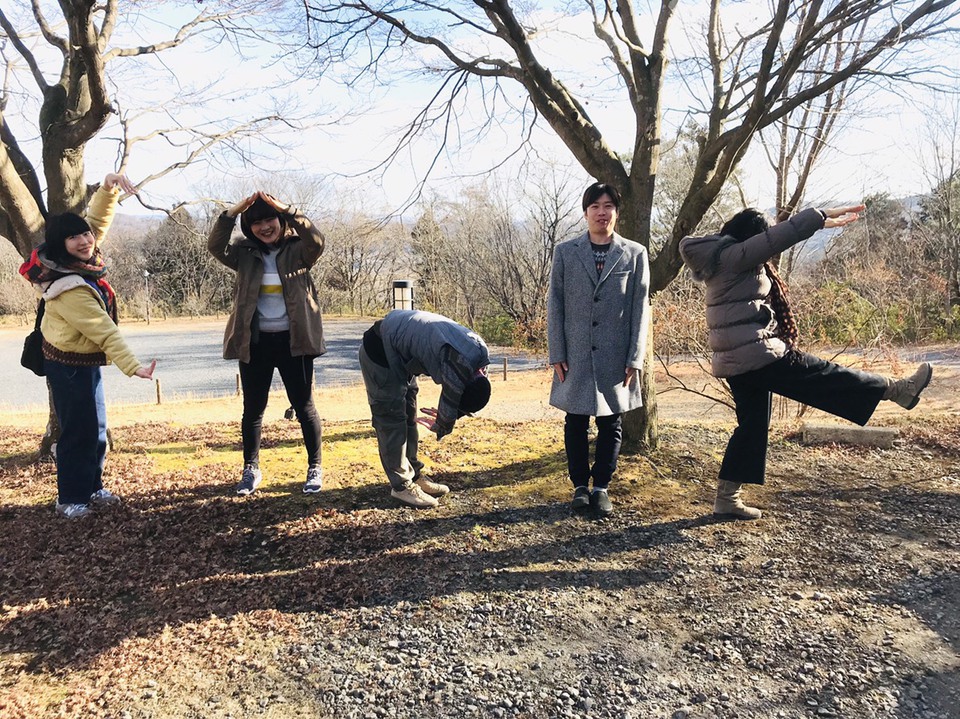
column 266, row 230
column 601, row 215
column 81, row 246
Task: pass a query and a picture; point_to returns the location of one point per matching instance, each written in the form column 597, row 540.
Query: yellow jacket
column 75, row 321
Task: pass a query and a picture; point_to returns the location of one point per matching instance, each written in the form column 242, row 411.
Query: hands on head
column 146, row 372
column 114, row 179
column 841, row 216
column 259, row 194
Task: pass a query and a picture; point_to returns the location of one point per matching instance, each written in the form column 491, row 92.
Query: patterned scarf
column 780, row 301
column 41, row 271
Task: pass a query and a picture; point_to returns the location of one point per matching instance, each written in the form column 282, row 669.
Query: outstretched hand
column 114, row 179
column 430, row 421
column 842, row 216
column 146, row 372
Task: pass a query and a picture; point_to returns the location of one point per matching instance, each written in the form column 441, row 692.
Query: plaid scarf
column 39, row 270
column 780, row 302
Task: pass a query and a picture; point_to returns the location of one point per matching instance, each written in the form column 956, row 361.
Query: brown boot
column 729, row 505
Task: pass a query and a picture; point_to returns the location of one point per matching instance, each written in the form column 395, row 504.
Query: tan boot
column 432, row 488
column 729, row 505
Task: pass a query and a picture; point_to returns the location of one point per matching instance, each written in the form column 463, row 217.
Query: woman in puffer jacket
column 753, row 336
column 80, row 335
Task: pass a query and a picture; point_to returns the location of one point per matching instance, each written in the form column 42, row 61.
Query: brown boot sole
column 728, row 516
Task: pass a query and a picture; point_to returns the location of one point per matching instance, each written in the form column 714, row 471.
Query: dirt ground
column 187, row 601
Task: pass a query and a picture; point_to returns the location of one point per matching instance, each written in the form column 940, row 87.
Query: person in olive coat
column 598, row 315
column 275, row 322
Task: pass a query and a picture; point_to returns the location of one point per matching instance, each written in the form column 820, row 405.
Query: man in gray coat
column 404, row 344
column 598, row 315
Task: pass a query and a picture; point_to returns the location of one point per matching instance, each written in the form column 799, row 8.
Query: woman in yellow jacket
column 80, row 335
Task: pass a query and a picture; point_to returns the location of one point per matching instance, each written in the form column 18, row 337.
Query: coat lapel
column 586, row 256
column 614, row 255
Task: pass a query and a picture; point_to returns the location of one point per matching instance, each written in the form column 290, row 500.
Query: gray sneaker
column 73, row 511
column 249, row 481
column 103, row 497
column 314, row 481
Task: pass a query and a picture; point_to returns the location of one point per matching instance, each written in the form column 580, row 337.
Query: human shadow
column 130, row 570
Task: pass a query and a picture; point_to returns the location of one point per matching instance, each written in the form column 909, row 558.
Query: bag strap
column 40, row 310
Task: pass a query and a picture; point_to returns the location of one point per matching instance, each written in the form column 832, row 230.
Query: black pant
column 577, row 445
column 273, row 351
column 844, row 392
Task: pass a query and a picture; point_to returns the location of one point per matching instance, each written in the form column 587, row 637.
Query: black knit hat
column 259, row 210
column 475, row 395
column 59, row 228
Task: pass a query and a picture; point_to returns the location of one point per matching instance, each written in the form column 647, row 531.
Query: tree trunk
column 641, row 426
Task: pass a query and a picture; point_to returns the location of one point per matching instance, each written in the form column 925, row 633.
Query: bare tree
column 746, row 77
column 74, row 103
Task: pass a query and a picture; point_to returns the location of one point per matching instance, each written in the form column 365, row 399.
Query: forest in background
column 483, row 258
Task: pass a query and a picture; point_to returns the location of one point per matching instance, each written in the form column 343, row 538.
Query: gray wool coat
column 598, row 325
column 743, row 326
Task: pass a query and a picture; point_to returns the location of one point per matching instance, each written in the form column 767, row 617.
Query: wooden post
column 504, row 369
column 159, row 393
column 238, row 384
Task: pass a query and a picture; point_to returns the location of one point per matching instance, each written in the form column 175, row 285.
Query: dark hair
column 58, row 229
column 746, row 224
column 598, row 190
column 475, row 395
column 259, row 210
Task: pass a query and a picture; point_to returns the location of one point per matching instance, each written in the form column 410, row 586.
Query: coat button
column 594, row 348
column 596, row 299
column 595, row 324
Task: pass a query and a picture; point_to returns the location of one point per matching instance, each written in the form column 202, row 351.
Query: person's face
column 266, row 230
column 601, row 216
column 81, row 246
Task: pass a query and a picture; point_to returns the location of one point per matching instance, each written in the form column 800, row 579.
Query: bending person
column 80, row 335
column 275, row 321
column 598, row 316
column 753, row 336
column 396, row 349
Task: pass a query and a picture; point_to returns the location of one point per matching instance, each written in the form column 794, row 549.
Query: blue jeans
column 82, row 414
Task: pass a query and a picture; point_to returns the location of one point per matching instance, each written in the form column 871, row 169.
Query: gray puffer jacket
column 742, row 323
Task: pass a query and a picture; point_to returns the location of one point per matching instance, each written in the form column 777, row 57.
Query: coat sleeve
column 641, row 312
column 218, row 243
column 743, row 256
column 101, row 211
column 556, row 339
column 82, row 311
column 312, row 240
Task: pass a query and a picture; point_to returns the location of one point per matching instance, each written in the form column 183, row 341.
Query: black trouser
column 273, row 351
column 577, row 445
column 844, row 392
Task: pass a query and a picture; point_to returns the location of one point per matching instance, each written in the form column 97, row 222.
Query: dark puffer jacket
column 742, row 324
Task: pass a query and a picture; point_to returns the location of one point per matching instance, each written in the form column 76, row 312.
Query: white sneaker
column 73, row 511
column 415, row 497
column 434, row 488
column 103, row 497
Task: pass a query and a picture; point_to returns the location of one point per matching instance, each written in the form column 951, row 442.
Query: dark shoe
column 600, row 501
column 249, row 480
column 581, row 499
column 314, row 481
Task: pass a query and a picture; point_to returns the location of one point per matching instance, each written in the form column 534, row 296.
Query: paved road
column 189, row 363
